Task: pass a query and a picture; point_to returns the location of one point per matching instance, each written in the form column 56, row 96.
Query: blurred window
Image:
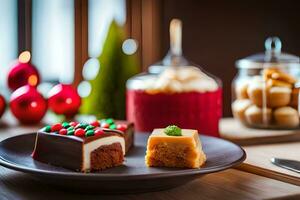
column 53, row 39
column 100, row 15
column 8, row 37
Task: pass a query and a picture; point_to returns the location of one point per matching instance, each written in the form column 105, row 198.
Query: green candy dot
column 65, row 124
column 46, row 129
column 109, row 121
column 71, row 132
column 71, row 128
column 113, row 126
column 89, row 127
column 89, row 133
column 82, row 125
column 173, row 130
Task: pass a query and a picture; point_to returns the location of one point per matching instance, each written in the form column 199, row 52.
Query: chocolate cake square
column 84, row 147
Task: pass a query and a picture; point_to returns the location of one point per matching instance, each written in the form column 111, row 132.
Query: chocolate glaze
column 58, row 150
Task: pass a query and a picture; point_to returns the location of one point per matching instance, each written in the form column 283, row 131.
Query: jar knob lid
column 176, row 37
column 174, row 56
column 273, row 45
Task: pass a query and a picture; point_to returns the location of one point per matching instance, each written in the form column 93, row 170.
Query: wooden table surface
column 258, row 161
column 263, row 144
column 229, row 184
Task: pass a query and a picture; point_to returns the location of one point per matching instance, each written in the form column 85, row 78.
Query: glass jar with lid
column 175, row 91
column 265, row 90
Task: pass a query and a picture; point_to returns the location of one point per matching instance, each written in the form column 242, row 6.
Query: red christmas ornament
column 23, row 73
column 28, row 105
column 64, row 99
column 2, row 105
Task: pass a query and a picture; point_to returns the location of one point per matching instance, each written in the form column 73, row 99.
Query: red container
column 194, row 110
column 175, row 91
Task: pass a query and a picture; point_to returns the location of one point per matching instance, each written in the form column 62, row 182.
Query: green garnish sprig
column 173, row 130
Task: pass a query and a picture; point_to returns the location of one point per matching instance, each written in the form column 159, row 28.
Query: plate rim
column 120, row 177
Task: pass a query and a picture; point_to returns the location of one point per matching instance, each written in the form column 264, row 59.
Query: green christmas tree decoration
column 107, row 97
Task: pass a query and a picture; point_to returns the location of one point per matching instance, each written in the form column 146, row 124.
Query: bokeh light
column 24, row 57
column 129, row 46
column 90, row 69
column 84, row 89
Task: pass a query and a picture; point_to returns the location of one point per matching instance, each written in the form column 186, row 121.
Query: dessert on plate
column 174, row 147
column 84, row 146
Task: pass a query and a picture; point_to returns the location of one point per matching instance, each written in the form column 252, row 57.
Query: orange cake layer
column 183, row 151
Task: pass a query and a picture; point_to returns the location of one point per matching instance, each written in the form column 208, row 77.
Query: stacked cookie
column 266, row 101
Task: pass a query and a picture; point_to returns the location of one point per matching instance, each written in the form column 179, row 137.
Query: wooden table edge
column 272, row 175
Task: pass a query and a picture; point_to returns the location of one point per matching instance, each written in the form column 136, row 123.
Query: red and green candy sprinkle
column 84, row 129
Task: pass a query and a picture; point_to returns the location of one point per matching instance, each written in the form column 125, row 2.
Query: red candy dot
column 105, row 125
column 122, row 127
column 56, row 127
column 80, row 132
column 73, row 124
column 95, row 123
column 99, row 132
column 63, row 131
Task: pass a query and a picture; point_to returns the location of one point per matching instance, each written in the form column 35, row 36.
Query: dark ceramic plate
column 132, row 177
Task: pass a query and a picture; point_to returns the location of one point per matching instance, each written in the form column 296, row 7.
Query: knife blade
column 292, row 165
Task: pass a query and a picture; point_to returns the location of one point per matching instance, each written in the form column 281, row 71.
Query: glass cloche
column 175, row 91
column 265, row 90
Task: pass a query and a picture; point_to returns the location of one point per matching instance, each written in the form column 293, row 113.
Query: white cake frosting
column 88, row 148
column 180, row 79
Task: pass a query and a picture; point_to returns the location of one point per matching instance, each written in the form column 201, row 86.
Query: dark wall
column 216, row 33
